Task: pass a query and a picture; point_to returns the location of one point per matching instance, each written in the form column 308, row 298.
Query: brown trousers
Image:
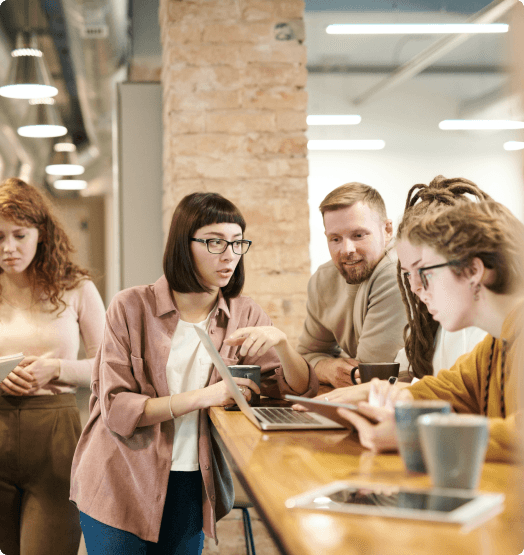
column 38, row 437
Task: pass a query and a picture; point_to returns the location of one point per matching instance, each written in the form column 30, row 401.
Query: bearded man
column 354, row 311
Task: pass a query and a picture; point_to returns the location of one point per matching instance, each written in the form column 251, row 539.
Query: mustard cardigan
column 464, row 386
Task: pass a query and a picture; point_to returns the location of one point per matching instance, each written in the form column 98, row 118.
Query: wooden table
column 273, row 466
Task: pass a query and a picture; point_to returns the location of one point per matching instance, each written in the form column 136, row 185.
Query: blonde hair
column 351, row 193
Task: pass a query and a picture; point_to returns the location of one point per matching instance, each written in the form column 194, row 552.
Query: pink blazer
column 120, row 472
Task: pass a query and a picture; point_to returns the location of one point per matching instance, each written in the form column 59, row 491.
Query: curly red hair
column 51, row 268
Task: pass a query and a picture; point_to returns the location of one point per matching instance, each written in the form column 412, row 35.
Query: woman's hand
column 256, row 341
column 18, row 382
column 383, row 394
column 380, row 407
column 42, row 369
column 218, row 395
column 351, row 394
column 377, row 437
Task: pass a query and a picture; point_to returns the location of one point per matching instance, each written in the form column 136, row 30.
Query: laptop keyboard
column 286, row 416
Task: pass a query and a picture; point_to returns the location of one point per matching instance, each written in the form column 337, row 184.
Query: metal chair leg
column 248, row 532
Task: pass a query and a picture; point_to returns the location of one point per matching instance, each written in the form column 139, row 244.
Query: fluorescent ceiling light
column 333, row 120
column 70, row 184
column 480, row 124
column 415, row 28
column 514, row 145
column 345, row 145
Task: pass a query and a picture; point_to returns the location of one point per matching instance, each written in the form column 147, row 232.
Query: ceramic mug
column 370, row 370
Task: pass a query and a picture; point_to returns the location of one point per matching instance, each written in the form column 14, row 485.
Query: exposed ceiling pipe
column 490, row 13
column 99, row 44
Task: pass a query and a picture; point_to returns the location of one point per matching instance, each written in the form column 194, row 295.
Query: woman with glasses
column 147, row 476
column 428, row 347
column 471, row 270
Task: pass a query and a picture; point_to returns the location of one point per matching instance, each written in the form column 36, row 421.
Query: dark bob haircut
column 193, row 212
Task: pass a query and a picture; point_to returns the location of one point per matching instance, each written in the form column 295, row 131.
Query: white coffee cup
column 454, row 447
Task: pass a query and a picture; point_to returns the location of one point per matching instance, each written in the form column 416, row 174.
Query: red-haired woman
column 46, row 303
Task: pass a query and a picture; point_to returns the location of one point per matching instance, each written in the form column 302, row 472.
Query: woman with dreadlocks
column 428, row 347
column 471, row 269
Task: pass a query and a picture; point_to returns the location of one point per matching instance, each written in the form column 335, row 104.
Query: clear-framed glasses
column 426, row 275
column 218, row 246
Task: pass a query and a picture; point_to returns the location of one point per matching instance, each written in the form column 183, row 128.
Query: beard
column 354, row 275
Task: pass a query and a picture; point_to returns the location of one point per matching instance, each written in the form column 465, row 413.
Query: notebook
column 265, row 418
column 8, row 364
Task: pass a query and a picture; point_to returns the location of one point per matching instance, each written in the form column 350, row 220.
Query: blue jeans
column 180, row 531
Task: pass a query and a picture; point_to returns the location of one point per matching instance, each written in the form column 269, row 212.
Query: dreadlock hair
column 420, row 331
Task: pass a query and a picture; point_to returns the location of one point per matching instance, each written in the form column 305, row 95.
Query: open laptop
column 265, row 418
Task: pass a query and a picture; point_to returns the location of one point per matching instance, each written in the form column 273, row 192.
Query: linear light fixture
column 514, row 145
column 334, row 120
column 27, row 76
column 332, row 144
column 415, row 28
column 70, row 184
column 493, row 124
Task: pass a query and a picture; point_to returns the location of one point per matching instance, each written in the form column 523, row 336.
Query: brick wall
column 234, row 76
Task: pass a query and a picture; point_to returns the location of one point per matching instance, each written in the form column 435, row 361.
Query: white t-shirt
column 188, row 368
column 449, row 345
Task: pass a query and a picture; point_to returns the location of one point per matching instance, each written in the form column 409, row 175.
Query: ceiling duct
column 98, row 41
column 98, row 33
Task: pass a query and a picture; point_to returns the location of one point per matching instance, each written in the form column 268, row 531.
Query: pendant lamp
column 27, row 76
column 42, row 120
column 64, row 160
column 70, row 184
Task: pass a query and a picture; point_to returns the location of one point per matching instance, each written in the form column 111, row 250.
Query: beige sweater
column 362, row 321
column 44, row 332
column 464, row 386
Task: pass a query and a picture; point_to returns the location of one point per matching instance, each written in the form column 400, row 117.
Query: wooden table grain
column 273, row 466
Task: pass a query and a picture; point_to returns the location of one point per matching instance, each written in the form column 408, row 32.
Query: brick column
column 233, row 75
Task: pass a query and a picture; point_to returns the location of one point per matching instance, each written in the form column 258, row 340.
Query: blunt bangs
column 193, row 212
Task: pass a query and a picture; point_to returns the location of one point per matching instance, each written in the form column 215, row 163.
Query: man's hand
column 336, row 371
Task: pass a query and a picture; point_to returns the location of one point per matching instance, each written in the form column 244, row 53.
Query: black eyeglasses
column 422, row 272
column 218, row 246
